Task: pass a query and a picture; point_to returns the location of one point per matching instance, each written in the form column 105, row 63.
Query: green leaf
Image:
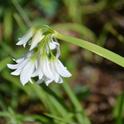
column 93, row 48
column 119, row 109
column 84, row 31
column 79, row 111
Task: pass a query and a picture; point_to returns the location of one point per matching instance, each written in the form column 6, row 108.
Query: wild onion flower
column 42, row 59
column 24, row 67
column 34, row 35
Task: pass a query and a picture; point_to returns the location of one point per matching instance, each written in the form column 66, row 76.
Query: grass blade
column 93, row 48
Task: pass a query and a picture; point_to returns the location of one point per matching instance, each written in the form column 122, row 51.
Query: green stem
column 80, row 114
column 93, row 48
column 120, row 109
column 51, row 103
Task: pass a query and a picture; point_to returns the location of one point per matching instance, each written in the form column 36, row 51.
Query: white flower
column 36, row 39
column 34, row 35
column 24, row 67
column 50, row 70
column 42, row 62
column 23, row 40
column 60, row 69
column 53, row 45
column 47, row 70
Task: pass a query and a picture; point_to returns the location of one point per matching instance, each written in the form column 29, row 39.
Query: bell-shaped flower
column 60, row 68
column 24, row 39
column 50, row 70
column 24, row 67
column 33, row 36
column 36, row 39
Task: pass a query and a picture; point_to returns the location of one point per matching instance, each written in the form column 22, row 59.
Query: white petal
column 47, row 49
column 24, row 44
column 36, row 72
column 46, row 68
column 15, row 66
column 55, row 45
column 19, row 60
column 12, row 66
column 58, row 52
column 26, row 73
column 61, row 69
column 40, row 73
column 22, row 64
column 23, row 40
column 41, row 80
column 48, row 81
column 36, row 39
column 19, row 68
column 52, row 45
column 16, row 72
column 31, row 81
column 60, row 80
column 29, row 54
column 56, row 75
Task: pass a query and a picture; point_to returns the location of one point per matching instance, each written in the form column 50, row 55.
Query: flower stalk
column 93, row 48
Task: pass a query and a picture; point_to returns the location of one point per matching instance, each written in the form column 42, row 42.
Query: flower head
column 42, row 60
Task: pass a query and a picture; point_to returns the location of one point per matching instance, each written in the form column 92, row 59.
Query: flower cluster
column 42, row 60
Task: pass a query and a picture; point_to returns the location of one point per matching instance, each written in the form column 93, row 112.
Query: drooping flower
column 24, row 67
column 58, row 70
column 42, row 60
column 36, row 39
column 51, row 69
column 23, row 40
column 33, row 36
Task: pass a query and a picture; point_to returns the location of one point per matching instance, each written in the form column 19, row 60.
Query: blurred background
column 97, row 85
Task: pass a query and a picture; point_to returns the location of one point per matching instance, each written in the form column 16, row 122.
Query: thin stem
column 80, row 115
column 93, row 48
column 120, row 109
